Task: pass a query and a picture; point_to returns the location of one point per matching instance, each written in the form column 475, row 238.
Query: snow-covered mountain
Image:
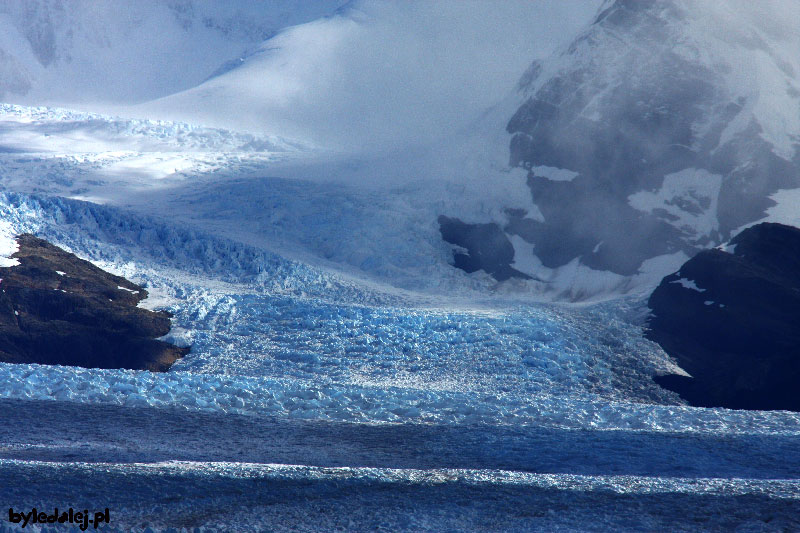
column 660, row 130
column 83, row 51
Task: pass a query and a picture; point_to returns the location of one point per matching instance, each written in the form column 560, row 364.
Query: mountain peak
column 668, row 126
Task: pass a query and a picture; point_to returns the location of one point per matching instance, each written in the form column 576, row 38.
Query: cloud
column 383, row 74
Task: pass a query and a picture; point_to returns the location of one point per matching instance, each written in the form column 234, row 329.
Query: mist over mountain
column 659, row 131
column 381, row 75
column 642, row 132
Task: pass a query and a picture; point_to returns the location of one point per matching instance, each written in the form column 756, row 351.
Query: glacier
column 342, row 374
column 449, row 398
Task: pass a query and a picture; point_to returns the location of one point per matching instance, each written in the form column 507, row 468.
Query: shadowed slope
column 730, row 318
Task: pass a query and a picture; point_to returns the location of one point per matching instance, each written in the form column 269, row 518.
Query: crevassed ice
column 285, row 339
column 299, row 399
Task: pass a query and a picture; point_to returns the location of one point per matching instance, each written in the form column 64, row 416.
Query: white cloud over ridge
column 382, row 74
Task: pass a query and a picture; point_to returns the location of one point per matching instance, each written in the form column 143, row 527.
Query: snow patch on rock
column 553, row 173
column 688, row 284
column 8, row 244
column 686, row 200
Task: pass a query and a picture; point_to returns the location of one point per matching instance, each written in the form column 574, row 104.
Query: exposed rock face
column 58, row 309
column 732, row 321
column 654, row 133
column 487, row 247
column 668, row 153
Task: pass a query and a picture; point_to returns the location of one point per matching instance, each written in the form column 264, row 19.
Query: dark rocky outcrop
column 58, row 309
column 487, row 247
column 731, row 319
